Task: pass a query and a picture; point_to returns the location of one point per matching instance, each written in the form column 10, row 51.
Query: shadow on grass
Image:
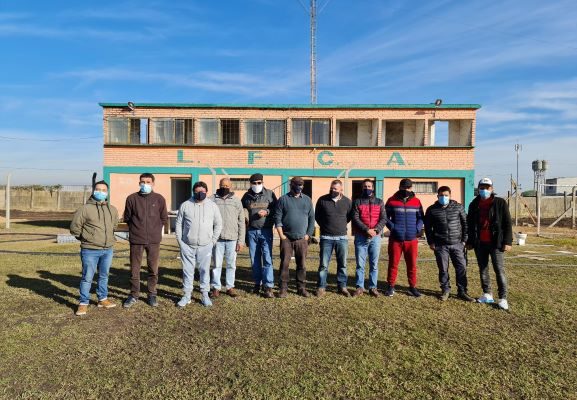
column 64, row 224
column 43, row 287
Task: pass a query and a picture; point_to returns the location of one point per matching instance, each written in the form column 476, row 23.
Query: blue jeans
column 93, row 260
column 341, row 248
column 260, row 250
column 224, row 250
column 192, row 257
column 372, row 247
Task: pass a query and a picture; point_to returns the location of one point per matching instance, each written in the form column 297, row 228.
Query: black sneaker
column 152, row 302
column 414, row 292
column 465, row 297
column 390, row 292
column 129, row 302
column 256, row 290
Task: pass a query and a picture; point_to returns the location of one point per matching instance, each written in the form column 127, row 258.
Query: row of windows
column 305, row 132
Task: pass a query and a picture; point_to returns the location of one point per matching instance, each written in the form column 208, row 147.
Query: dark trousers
column 152, row 253
column 483, row 252
column 287, row 247
column 455, row 253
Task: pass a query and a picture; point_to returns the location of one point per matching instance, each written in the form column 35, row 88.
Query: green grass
column 250, row 347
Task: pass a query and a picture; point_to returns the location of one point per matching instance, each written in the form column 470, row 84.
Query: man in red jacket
column 145, row 213
column 405, row 221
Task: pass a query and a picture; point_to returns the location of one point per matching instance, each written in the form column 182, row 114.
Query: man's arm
column 178, row 224
column 311, row 219
column 357, row 218
column 464, row 227
column 241, row 227
column 382, row 219
column 77, row 223
column 216, row 224
column 127, row 211
column 163, row 211
column 429, row 226
column 507, row 227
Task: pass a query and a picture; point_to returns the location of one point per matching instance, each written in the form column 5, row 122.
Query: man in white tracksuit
column 198, row 226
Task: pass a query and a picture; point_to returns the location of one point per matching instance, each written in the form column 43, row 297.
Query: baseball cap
column 485, row 181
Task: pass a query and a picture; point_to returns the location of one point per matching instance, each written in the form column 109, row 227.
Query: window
column 348, row 133
column 425, row 187
column 239, row 184
column 172, row 131
column 394, row 133
column 307, row 132
column 124, row 130
column 224, row 131
column 265, row 132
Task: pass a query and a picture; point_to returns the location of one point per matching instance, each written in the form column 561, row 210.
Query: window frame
column 311, row 133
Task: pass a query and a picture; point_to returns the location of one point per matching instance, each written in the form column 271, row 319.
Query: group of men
column 217, row 227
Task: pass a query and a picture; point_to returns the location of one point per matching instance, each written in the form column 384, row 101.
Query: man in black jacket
column 491, row 235
column 446, row 230
column 333, row 213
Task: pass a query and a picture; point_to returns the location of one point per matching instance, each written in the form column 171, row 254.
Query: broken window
column 307, row 132
column 125, row 130
column 269, row 132
column 348, row 133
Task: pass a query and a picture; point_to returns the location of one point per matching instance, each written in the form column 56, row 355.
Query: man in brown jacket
column 145, row 213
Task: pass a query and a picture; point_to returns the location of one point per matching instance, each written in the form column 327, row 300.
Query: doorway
column 357, row 187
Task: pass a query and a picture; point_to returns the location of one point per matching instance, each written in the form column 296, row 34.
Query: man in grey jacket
column 231, row 237
column 198, row 226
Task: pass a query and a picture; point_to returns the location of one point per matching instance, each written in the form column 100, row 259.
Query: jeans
column 372, row 247
column 224, row 250
column 91, row 261
column 483, row 252
column 191, row 257
column 341, row 249
column 260, row 250
column 455, row 253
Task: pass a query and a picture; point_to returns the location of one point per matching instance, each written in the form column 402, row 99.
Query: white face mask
column 256, row 188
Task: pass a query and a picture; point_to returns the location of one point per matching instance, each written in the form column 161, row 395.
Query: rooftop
column 295, row 106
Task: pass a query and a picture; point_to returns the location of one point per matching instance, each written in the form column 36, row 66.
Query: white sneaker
column 503, row 304
column 486, row 298
column 184, row 302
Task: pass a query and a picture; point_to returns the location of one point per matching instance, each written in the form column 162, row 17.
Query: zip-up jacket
column 368, row 213
column 94, row 224
column 333, row 216
column 499, row 223
column 254, row 202
column 405, row 217
column 198, row 224
column 232, row 212
column 446, row 225
column 146, row 216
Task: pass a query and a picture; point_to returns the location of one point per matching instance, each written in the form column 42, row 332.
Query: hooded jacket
column 232, row 213
column 446, row 225
column 405, row 217
column 198, row 224
column 94, row 224
column 499, row 223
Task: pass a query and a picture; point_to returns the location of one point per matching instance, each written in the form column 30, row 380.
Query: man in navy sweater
column 333, row 212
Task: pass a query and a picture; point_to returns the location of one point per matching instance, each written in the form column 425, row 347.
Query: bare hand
column 282, row 237
column 432, row 247
column 307, row 238
column 372, row 232
column 469, row 247
column 506, row 247
column 238, row 247
column 262, row 213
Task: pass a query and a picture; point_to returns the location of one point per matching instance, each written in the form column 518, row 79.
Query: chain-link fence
column 45, row 198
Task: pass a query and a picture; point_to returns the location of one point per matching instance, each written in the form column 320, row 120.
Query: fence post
column 84, row 195
column 58, row 200
column 573, row 205
column 8, row 201
column 32, row 198
column 538, row 200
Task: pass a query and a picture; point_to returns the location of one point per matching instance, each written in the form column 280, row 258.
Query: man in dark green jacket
column 94, row 224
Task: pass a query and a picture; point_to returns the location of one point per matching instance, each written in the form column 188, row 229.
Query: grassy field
column 250, row 347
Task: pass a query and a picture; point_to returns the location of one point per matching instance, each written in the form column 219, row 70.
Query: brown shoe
column 214, row 293
column 231, row 292
column 320, row 292
column 82, row 309
column 303, row 293
column 106, row 304
column 282, row 294
column 268, row 293
column 374, row 292
column 359, row 292
column 344, row 291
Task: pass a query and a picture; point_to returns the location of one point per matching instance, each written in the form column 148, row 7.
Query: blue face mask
column 484, row 193
column 99, row 196
column 443, row 200
column 199, row 196
column 145, row 188
column 367, row 192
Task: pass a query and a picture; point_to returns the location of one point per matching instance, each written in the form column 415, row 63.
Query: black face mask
column 223, row 191
column 367, row 192
column 200, row 196
column 296, row 188
column 334, row 194
column 404, row 193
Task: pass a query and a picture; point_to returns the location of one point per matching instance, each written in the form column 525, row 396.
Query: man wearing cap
column 491, row 235
column 295, row 224
column 446, row 228
column 405, row 221
column 260, row 204
column 231, row 237
column 368, row 222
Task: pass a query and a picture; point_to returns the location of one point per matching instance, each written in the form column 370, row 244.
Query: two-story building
column 184, row 143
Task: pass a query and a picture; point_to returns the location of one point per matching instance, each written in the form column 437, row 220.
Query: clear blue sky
column 517, row 58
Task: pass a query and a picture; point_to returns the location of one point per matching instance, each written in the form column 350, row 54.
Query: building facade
column 183, row 143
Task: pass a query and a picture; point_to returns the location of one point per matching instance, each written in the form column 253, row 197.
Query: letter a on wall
column 396, row 158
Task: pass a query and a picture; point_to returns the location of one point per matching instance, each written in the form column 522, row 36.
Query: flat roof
column 295, row 106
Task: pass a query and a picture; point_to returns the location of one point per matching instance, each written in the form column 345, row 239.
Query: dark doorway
column 181, row 190
column 308, row 188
